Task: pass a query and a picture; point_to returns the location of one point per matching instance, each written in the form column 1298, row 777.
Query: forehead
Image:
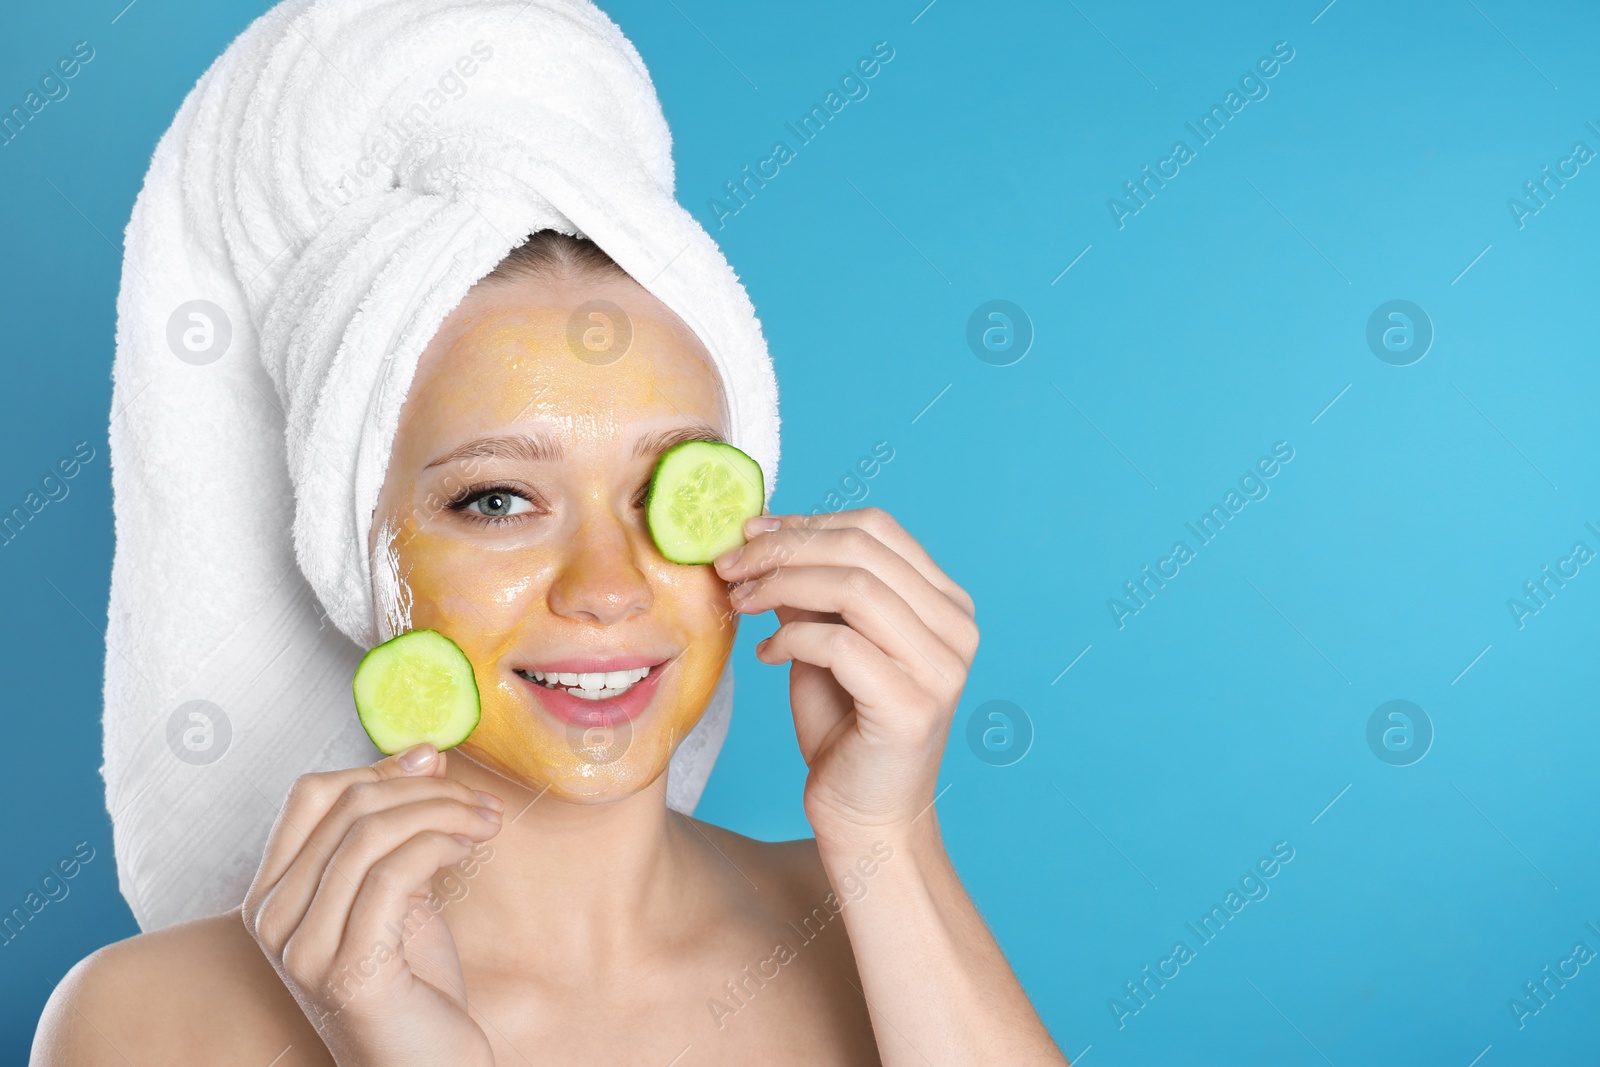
column 546, row 352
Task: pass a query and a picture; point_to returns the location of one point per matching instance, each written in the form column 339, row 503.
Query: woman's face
column 514, row 509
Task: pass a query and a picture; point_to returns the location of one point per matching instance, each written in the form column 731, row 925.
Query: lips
column 595, row 692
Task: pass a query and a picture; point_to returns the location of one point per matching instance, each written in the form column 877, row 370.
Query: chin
column 598, row 774
column 582, row 762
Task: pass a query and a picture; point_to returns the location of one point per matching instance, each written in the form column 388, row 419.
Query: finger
column 865, row 603
column 386, row 902
column 273, row 911
column 882, row 526
column 856, row 546
column 313, row 795
column 288, row 901
column 371, row 838
column 880, row 689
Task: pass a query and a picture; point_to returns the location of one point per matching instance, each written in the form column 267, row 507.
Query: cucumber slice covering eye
column 416, row 687
column 700, row 496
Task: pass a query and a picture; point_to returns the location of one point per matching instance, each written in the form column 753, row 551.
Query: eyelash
column 461, row 504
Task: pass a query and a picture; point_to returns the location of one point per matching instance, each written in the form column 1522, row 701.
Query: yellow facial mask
column 512, row 521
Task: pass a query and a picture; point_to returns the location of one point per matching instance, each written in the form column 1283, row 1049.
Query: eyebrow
column 537, row 448
column 653, row 444
column 532, row 448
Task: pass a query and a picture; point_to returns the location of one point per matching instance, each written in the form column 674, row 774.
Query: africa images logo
column 1253, row 87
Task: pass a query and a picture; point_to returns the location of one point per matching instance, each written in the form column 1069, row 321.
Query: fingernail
column 761, row 524
column 463, row 838
column 729, row 558
column 418, row 756
column 490, row 816
column 489, row 800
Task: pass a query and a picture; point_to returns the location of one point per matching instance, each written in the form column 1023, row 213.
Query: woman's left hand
column 879, row 640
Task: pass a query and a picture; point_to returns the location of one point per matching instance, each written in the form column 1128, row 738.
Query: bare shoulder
column 196, row 992
column 788, row 871
column 794, row 868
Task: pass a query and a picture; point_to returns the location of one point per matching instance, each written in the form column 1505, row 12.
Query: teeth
column 598, row 694
column 594, row 685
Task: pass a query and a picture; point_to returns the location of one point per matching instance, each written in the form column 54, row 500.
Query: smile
column 596, row 692
column 588, row 685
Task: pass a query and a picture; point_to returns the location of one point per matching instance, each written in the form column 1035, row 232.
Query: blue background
column 1230, row 713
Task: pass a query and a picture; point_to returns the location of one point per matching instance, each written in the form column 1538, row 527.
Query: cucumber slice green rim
column 416, row 687
column 700, row 496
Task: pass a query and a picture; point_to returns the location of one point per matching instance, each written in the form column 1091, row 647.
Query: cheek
column 490, row 602
column 473, row 596
column 480, row 600
column 694, row 602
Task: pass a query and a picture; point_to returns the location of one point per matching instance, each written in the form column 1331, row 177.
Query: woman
column 599, row 926
column 533, row 895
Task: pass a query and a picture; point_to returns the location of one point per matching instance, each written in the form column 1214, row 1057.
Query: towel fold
column 329, row 191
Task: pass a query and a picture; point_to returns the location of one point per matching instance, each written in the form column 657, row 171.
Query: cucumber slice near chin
column 416, row 687
column 700, row 496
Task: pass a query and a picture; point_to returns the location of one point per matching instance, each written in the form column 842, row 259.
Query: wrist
column 847, row 826
column 859, row 851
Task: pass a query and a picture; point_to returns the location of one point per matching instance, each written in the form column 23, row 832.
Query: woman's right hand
column 346, row 872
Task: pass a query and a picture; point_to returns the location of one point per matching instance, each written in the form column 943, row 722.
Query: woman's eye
column 497, row 503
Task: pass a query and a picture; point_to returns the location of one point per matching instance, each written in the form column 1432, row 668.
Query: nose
column 599, row 579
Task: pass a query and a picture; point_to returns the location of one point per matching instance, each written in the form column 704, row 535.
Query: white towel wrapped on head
column 328, row 193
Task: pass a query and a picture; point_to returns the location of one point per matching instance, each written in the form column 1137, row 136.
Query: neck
column 592, row 885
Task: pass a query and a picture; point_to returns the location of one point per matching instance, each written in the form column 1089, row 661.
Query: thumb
column 419, row 761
